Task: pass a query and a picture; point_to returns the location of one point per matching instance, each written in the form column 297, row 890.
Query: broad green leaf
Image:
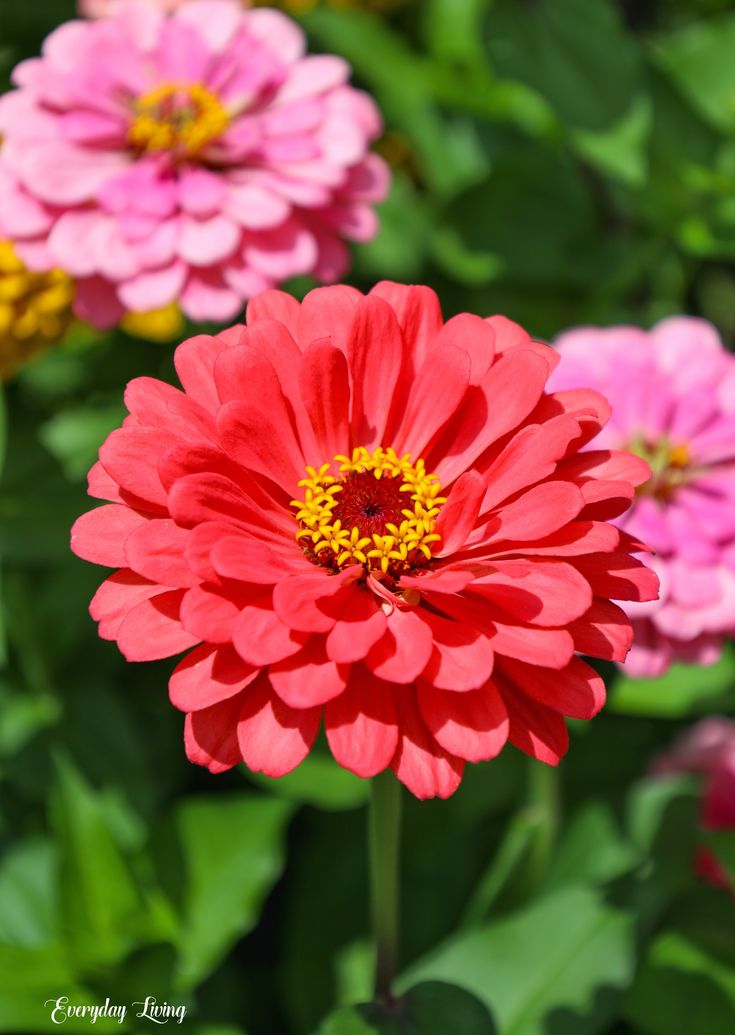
column 103, row 908
column 567, row 952
column 29, row 908
column 454, row 28
column 31, row 980
column 431, row 1008
column 318, row 781
column 218, row 862
column 699, row 60
column 683, row 690
column 536, row 187
column 575, row 53
column 682, row 989
column 593, row 849
column 620, row 150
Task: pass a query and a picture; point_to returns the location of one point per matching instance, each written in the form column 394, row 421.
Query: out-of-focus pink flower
column 672, row 392
column 197, row 157
column 708, row 749
column 103, row 8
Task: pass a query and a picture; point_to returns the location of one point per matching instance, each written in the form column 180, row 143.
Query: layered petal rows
column 359, row 516
column 195, row 156
column 672, row 390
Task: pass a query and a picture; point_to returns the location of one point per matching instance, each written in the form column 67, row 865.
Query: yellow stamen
column 679, row 456
column 35, row 310
column 401, row 546
column 180, row 117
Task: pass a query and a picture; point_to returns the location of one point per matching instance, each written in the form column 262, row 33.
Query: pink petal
column 459, row 514
column 576, row 691
column 404, row 650
column 473, row 725
column 603, row 632
column 462, row 658
column 361, row 725
column 210, row 735
column 359, row 625
column 261, row 638
column 208, row 612
column 153, row 629
column 374, row 354
column 116, row 597
column 420, row 762
column 99, row 535
column 207, row 676
column 156, row 550
column 325, row 390
column 435, row 395
column 274, row 738
column 309, row 678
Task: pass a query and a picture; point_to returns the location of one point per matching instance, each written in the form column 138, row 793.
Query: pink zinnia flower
column 708, row 750
column 103, row 8
column 672, row 392
column 358, row 514
column 198, row 157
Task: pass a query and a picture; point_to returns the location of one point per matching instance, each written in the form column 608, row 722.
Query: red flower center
column 380, row 511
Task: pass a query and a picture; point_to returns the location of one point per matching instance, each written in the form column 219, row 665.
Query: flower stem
column 543, row 795
column 384, row 839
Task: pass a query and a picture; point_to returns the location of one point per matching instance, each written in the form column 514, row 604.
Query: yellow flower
column 35, row 310
column 163, row 324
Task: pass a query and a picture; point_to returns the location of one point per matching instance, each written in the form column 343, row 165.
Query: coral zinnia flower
column 672, row 392
column 198, row 158
column 358, row 513
column 708, row 749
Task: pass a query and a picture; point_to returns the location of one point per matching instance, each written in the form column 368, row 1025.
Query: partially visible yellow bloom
column 163, row 324
column 35, row 310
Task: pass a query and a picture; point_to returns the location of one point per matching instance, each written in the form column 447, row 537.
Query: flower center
column 177, row 117
column 379, row 511
column 670, row 466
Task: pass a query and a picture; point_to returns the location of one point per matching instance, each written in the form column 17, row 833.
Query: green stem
column 384, row 838
column 543, row 796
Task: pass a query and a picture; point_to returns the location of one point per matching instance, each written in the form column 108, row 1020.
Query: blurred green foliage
column 560, row 161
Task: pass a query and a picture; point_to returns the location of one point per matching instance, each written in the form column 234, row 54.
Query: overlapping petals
column 421, row 665
column 673, row 396
column 197, row 156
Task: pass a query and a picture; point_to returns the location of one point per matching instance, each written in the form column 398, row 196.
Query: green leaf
column 28, row 900
column 593, row 850
column 699, row 60
column 683, row 690
column 219, row 861
column 318, row 781
column 73, row 436
column 103, row 914
column 575, row 53
column 539, row 188
column 682, row 989
column 567, row 952
column 30, row 979
column 620, row 150
column 431, row 1008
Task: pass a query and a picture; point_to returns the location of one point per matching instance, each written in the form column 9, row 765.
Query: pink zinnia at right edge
column 672, row 391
